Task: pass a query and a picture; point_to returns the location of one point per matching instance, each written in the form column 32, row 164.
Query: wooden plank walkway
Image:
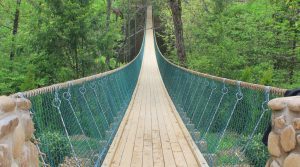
column 152, row 132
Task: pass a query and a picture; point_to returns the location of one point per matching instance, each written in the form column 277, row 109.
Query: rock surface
column 277, row 104
column 293, row 160
column 5, row 159
column 274, row 163
column 280, row 122
column 298, row 139
column 288, row 138
column 284, row 140
column 273, row 144
column 296, row 123
column 7, row 104
column 294, row 104
column 8, row 124
column 16, row 130
column 23, row 104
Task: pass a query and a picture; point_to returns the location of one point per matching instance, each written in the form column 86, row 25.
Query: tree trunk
column 135, row 35
column 108, row 13
column 293, row 62
column 15, row 30
column 76, row 59
column 175, row 6
column 125, row 40
column 129, row 38
column 128, row 31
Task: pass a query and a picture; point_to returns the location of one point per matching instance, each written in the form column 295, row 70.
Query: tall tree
column 176, row 9
column 108, row 13
column 15, row 30
column 293, row 16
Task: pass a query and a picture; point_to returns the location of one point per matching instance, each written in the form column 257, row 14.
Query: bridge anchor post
column 284, row 139
column 16, row 133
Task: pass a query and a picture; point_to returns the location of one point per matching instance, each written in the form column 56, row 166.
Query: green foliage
column 59, row 41
column 56, row 146
column 256, row 153
column 254, row 41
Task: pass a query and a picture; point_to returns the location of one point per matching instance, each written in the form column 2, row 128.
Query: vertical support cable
column 82, row 90
column 67, row 96
column 213, row 88
column 224, row 92
column 264, row 110
column 193, row 96
column 239, row 97
column 189, row 91
column 93, row 87
column 102, row 83
column 56, row 103
column 206, row 84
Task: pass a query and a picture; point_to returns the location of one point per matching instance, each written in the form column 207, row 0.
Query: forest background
column 255, row 41
column 43, row 42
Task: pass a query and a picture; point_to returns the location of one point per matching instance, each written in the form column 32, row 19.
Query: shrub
column 55, row 146
column 256, row 153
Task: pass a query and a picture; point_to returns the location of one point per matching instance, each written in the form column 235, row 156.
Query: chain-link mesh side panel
column 76, row 125
column 226, row 121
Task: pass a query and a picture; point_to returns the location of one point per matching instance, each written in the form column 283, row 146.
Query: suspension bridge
column 151, row 112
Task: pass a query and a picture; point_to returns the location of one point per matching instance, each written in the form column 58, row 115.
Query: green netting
column 226, row 121
column 76, row 125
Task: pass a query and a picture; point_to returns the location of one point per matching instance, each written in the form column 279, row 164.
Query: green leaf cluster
column 57, row 41
column 251, row 40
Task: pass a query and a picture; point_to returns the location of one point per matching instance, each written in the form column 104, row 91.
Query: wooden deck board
column 151, row 132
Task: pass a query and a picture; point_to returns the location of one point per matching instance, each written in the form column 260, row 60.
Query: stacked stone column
column 284, row 139
column 16, row 130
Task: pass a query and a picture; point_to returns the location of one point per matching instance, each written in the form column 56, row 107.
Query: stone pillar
column 284, row 139
column 16, row 130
